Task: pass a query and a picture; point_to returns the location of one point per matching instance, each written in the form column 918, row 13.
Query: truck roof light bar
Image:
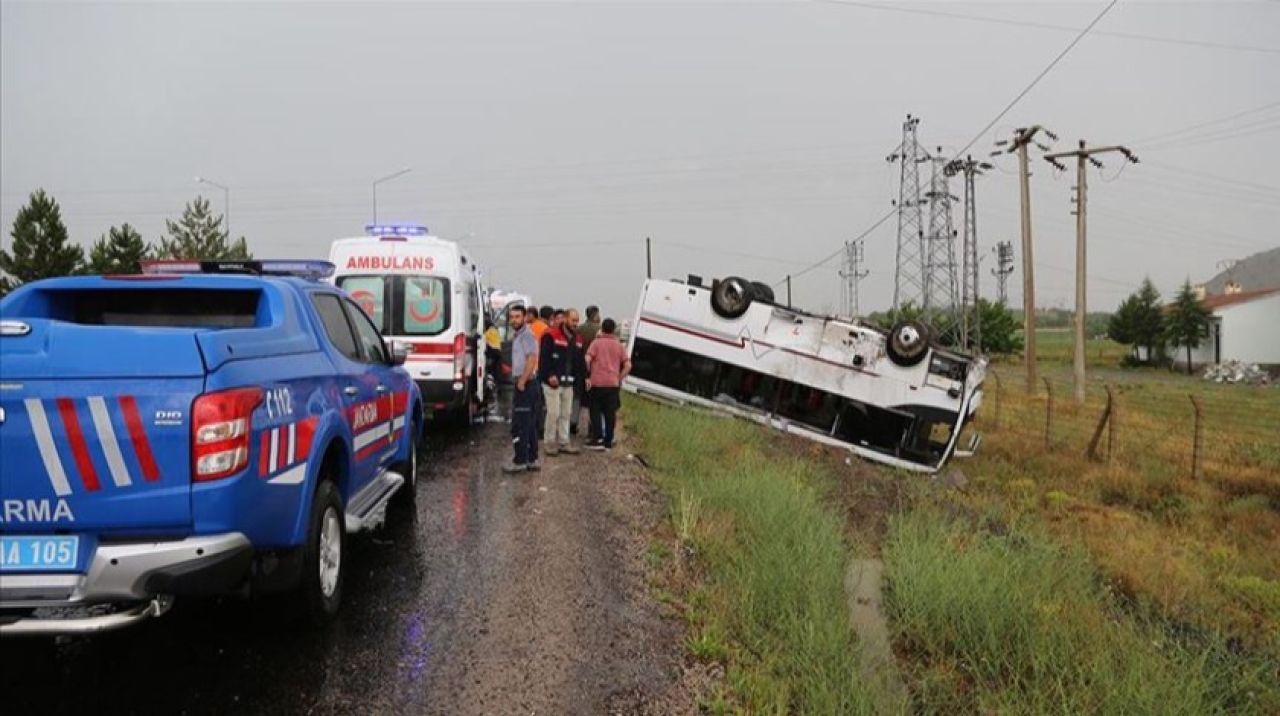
column 310, row 270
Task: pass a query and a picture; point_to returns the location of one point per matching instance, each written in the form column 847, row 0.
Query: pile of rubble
column 1235, row 371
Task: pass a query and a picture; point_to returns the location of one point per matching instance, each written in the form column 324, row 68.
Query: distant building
column 1245, row 326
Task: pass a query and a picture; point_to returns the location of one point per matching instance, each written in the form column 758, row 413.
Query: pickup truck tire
column 408, row 469
column 731, row 297
column 323, row 562
column 908, row 342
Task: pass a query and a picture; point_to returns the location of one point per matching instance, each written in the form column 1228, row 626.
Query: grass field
column 1049, row 583
column 765, row 593
column 1201, row 549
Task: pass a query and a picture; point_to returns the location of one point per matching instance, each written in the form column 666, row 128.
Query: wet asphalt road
column 493, row 595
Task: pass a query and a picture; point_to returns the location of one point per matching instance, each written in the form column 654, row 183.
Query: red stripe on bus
column 138, row 436
column 89, row 476
column 742, row 343
column 739, row 344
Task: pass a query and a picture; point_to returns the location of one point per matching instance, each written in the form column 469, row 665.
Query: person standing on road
column 590, row 327
column 578, row 363
column 556, row 370
column 608, row 365
column 589, row 330
column 524, row 404
column 538, row 320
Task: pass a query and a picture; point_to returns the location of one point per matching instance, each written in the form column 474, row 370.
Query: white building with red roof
column 1245, row 327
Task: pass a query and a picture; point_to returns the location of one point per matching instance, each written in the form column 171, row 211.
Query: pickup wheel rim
column 330, row 557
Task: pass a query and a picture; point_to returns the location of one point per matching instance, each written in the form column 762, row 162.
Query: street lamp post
column 378, row 181
column 226, row 203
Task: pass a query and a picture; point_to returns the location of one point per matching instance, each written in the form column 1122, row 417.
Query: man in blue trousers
column 524, row 405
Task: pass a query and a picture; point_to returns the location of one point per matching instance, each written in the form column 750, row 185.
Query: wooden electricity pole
column 1021, row 138
column 1084, row 156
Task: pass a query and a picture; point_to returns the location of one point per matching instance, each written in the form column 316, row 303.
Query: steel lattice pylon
column 852, row 272
column 909, row 275
column 1004, row 267
column 970, row 323
column 941, row 300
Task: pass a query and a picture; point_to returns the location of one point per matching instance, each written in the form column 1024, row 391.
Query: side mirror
column 399, row 352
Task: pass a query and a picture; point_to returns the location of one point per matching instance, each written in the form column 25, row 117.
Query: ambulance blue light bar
column 395, row 229
column 311, row 270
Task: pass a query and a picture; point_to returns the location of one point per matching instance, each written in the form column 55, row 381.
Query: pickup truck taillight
column 459, row 356
column 220, row 426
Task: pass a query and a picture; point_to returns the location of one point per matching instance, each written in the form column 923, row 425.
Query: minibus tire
column 908, row 343
column 731, row 297
column 761, row 291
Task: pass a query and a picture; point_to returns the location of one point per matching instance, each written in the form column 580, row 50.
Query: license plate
column 35, row 554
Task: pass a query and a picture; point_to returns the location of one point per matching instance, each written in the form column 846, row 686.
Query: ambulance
column 429, row 293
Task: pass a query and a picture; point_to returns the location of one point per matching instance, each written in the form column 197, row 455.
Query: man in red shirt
column 607, row 366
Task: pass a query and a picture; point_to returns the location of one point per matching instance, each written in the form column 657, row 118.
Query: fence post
column 1195, row 440
column 1103, row 421
column 1111, row 424
column 1048, row 412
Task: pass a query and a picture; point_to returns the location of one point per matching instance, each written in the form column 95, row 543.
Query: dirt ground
column 573, row 629
column 494, row 594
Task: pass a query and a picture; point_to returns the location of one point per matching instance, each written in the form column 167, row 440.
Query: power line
column 1208, row 44
column 979, row 135
column 1207, row 123
column 1211, row 139
column 1207, row 175
column 1039, row 77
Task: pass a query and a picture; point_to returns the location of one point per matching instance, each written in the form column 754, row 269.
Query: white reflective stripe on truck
column 48, row 451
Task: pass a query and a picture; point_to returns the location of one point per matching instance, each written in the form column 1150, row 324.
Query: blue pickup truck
column 204, row 428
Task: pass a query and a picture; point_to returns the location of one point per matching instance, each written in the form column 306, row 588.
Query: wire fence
column 1156, row 423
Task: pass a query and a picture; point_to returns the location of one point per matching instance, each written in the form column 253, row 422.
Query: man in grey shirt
column 524, row 405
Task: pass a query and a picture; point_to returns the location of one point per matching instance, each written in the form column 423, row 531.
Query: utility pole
column 970, row 168
column 1084, row 156
column 788, row 290
column 909, row 274
column 648, row 257
column 1004, row 267
column 1021, row 138
column 852, row 273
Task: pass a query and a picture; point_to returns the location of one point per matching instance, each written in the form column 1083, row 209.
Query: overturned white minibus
column 893, row 398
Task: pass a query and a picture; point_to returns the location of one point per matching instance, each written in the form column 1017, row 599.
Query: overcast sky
column 744, row 138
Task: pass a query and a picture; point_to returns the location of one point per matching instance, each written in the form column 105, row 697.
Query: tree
column 198, row 234
column 40, row 245
column 1123, row 326
column 1140, row 321
column 1000, row 331
column 890, row 318
column 120, row 251
column 1188, row 322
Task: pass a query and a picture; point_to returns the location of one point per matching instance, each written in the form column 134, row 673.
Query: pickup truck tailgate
column 95, row 428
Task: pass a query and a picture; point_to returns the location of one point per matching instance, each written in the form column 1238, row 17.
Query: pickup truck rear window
column 171, row 308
